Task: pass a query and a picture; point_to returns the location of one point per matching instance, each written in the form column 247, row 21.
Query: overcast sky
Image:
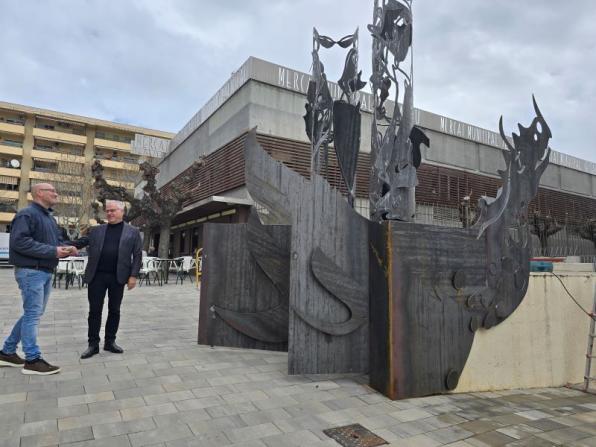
column 154, row 63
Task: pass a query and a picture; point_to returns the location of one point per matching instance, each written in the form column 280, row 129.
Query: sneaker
column 11, row 360
column 39, row 367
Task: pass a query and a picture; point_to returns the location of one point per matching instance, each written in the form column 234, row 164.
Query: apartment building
column 38, row 145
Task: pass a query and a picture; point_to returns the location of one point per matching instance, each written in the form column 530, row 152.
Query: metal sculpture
column 328, row 330
column 338, row 122
column 433, row 287
column 245, row 287
column 395, row 140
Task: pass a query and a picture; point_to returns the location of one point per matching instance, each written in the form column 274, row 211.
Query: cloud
column 154, row 63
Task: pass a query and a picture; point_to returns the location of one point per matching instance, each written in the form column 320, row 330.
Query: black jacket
column 34, row 236
column 130, row 252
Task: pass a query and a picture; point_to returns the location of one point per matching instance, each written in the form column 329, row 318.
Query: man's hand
column 63, row 252
column 132, row 282
column 73, row 251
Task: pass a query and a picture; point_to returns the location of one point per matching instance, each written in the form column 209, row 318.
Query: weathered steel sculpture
column 336, row 121
column 328, row 330
column 395, row 143
column 433, row 287
column 245, row 287
column 420, row 291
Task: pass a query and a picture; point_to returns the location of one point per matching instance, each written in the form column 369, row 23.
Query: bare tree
column 155, row 209
column 587, row 230
column 543, row 227
column 73, row 208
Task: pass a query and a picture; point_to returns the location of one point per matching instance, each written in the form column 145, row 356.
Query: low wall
column 542, row 344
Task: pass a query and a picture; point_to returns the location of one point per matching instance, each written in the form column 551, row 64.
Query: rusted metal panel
column 245, row 285
column 329, row 273
column 433, row 287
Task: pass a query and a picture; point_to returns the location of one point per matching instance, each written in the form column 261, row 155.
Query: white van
column 4, row 240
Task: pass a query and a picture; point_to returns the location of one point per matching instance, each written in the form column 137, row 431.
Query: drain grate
column 354, row 435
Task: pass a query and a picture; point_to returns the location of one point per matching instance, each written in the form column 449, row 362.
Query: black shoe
column 113, row 347
column 39, row 367
column 11, row 360
column 90, row 351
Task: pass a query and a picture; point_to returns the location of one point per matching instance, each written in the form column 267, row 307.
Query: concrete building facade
column 463, row 159
column 38, row 145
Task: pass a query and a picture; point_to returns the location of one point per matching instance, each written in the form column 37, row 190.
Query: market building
column 462, row 160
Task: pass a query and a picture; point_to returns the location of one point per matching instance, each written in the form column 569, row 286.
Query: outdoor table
column 165, row 265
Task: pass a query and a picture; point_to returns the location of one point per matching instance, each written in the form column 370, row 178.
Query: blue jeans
column 35, row 288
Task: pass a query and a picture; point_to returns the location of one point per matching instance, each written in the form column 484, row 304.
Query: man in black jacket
column 34, row 251
column 115, row 252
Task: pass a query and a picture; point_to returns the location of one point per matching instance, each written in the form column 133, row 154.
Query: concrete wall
column 542, row 344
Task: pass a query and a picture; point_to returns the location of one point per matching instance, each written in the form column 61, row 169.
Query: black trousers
column 96, row 293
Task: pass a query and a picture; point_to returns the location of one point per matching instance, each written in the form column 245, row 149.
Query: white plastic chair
column 186, row 264
column 148, row 268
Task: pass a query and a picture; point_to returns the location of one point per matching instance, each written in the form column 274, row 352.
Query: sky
column 154, row 63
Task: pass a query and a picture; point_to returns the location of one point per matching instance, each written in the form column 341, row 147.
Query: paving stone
column 118, row 441
column 122, row 428
column 586, row 442
column 55, row 413
column 253, row 432
column 519, row 431
column 531, row 442
column 161, row 434
column 449, row 434
column 416, row 441
column 224, row 424
column 36, row 428
column 564, row 435
column 129, row 414
column 210, row 439
column 490, row 439
column 75, row 435
column 533, row 415
column 11, row 398
column 88, row 420
column 42, row 440
column 120, row 404
column 545, row 424
column 410, row 415
column 85, row 399
column 185, row 417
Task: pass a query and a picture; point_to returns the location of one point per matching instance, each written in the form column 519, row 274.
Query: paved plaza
column 166, row 390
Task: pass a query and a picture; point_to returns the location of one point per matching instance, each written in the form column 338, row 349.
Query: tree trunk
column 164, row 239
column 146, row 239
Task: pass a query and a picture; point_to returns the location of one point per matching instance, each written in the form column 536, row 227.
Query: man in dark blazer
column 115, row 252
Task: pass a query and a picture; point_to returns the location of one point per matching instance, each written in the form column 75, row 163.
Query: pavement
column 166, row 390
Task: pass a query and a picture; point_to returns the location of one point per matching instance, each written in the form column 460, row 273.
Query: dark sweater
column 108, row 260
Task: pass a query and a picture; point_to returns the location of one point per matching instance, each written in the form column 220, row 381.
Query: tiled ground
column 167, row 390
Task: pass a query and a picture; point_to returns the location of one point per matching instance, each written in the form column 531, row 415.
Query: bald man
column 35, row 246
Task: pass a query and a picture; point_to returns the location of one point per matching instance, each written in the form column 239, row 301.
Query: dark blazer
column 129, row 252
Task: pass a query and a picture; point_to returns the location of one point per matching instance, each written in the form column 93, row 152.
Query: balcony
column 53, row 176
column 6, row 217
column 63, row 198
column 128, row 185
column 11, row 128
column 10, row 150
column 110, row 144
column 58, row 156
column 10, row 172
column 64, row 137
column 53, row 146
column 7, row 193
